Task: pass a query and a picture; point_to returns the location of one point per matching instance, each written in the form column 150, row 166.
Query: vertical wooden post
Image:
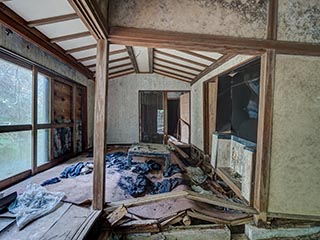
column 261, row 189
column 165, row 117
column 74, row 125
column 100, row 124
column 34, row 119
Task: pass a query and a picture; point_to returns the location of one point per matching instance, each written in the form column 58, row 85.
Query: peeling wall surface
column 16, row 44
column 197, row 99
column 295, row 165
column 299, row 20
column 123, row 107
column 245, row 18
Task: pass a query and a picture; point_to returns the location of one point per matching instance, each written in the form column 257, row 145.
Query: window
column 15, row 153
column 43, row 99
column 15, row 94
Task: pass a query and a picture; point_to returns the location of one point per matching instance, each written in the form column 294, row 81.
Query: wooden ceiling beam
column 170, row 76
column 178, row 64
column 120, row 66
column 117, row 51
column 174, row 74
column 11, row 20
column 120, row 75
column 151, row 59
column 119, row 59
column 180, row 58
column 213, row 66
column 206, row 42
column 51, row 20
column 133, row 58
column 121, row 71
column 91, row 65
column 70, row 37
column 87, row 58
column 175, row 69
column 79, row 49
column 201, row 56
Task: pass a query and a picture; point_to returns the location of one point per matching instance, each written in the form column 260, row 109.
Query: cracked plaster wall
column 243, row 18
column 299, row 20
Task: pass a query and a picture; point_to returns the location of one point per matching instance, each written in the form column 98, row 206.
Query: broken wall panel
column 244, row 18
column 295, row 166
column 299, row 20
column 62, row 141
column 62, row 102
column 197, row 99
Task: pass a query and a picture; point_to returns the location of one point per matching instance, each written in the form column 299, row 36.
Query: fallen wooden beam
column 181, row 152
column 207, row 218
column 117, row 215
column 210, row 199
column 144, row 200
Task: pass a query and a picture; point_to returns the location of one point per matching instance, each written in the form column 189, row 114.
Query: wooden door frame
column 165, row 108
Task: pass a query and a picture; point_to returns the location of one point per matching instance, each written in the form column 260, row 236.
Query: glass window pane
column 15, row 94
column 43, row 147
column 15, row 153
column 43, row 99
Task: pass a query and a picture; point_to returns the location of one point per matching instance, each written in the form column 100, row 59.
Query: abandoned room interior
column 146, row 119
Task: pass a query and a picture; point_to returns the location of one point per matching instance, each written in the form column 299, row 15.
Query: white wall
column 123, row 108
column 197, row 99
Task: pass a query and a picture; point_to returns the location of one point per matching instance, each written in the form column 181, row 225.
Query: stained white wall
column 123, row 108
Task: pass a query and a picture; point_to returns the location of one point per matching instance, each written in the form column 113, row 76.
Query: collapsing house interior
column 155, row 119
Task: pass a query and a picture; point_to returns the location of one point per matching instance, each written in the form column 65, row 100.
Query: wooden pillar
column 100, row 124
column 165, row 117
column 262, row 173
column 34, row 119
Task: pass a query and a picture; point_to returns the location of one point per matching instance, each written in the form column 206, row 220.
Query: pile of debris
column 209, row 201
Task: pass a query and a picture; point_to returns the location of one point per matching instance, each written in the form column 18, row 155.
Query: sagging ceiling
column 60, row 23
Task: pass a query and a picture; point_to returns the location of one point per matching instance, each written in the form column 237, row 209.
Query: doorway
column 164, row 114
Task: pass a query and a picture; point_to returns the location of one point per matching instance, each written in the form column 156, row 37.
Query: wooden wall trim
column 272, row 27
column 100, row 124
column 19, row 25
column 34, row 120
column 263, row 156
column 133, row 58
column 190, row 41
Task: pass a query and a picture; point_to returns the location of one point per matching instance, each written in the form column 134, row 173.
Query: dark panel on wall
column 62, row 103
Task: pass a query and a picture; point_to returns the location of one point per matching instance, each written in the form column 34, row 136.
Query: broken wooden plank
column 137, row 226
column 186, row 220
column 117, row 215
column 145, row 200
column 84, row 229
column 210, row 199
column 172, row 220
column 181, row 152
column 200, row 216
column 225, row 175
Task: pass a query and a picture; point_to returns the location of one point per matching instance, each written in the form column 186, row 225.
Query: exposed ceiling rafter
column 199, row 55
column 119, row 59
column 179, row 58
column 51, row 20
column 174, row 74
column 175, row 69
column 83, row 48
column 170, row 76
column 151, row 59
column 133, row 58
column 178, row 64
column 213, row 66
column 70, row 37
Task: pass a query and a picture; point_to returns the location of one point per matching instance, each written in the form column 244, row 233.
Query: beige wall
column 295, row 165
column 123, row 108
column 197, row 99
